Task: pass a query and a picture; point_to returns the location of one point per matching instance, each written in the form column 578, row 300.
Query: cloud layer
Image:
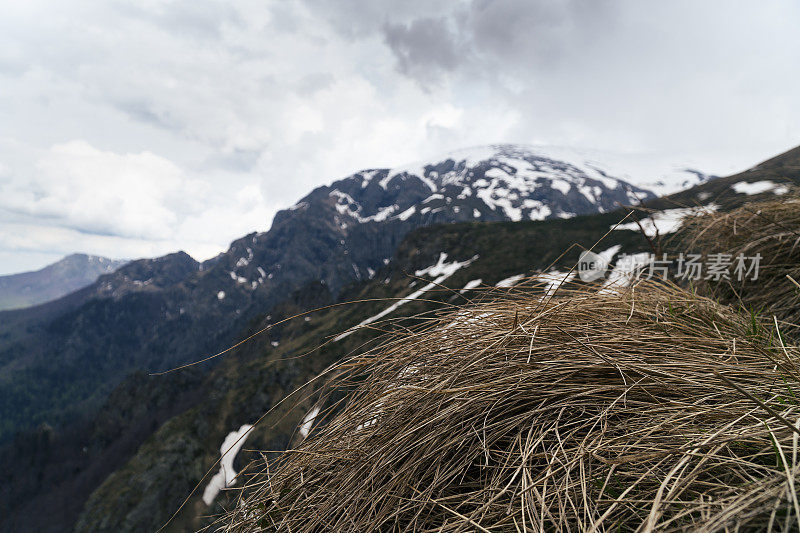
column 134, row 128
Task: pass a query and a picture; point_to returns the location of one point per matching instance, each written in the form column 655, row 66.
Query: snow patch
column 238, row 279
column 405, row 215
column 226, row 477
column 561, row 185
column 433, row 197
column 608, row 255
column 471, row 285
column 441, row 270
column 625, row 271
column 667, row 221
column 758, row 187
column 510, row 281
column 308, row 422
column 553, row 280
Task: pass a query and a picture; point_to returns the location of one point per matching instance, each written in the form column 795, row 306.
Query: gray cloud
column 357, row 19
column 486, row 38
column 425, row 47
column 310, row 84
column 520, row 33
column 145, row 112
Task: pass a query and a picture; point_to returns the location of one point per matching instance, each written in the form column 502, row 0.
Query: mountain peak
column 653, row 172
column 490, row 183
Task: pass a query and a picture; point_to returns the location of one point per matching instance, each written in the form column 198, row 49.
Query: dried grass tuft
column 650, row 410
column 771, row 229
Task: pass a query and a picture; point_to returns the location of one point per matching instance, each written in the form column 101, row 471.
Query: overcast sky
column 138, row 127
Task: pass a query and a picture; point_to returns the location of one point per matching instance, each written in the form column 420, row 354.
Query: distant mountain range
column 74, row 272
column 75, row 405
column 153, row 314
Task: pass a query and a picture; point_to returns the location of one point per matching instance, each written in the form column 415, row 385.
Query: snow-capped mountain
column 499, row 182
column 502, row 182
column 344, row 231
column 118, row 470
column 659, row 173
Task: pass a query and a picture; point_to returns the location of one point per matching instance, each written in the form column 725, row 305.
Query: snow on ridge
column 506, row 178
column 667, row 221
column 440, row 270
column 226, row 476
column 518, row 169
column 659, row 173
column 510, row 281
column 472, row 156
column 471, row 285
column 758, row 187
column 346, row 205
column 414, row 169
column 299, row 205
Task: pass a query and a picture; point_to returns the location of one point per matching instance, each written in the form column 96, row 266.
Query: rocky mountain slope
column 53, row 281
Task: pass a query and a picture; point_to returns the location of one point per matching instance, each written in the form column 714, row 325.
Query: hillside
column 255, row 377
column 61, row 358
column 358, row 238
column 259, row 374
column 53, row 281
column 659, row 408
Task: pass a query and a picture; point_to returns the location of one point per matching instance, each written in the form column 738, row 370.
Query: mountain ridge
column 53, row 281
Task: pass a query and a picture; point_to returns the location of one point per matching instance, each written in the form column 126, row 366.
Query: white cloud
column 129, row 195
column 77, row 197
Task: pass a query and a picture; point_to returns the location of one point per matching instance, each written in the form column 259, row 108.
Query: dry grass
column 771, row 229
column 650, row 410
